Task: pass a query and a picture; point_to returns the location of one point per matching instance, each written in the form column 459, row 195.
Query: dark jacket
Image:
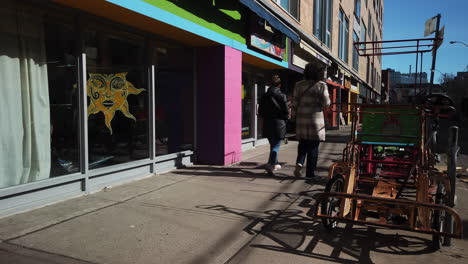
column 274, row 116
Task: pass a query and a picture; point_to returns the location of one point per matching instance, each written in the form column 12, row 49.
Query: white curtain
column 24, row 97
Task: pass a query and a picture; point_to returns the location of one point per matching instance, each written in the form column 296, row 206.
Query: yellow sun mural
column 108, row 93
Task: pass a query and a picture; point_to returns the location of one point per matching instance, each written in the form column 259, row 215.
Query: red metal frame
column 377, row 46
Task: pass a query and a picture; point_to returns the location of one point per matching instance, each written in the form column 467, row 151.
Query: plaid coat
column 308, row 105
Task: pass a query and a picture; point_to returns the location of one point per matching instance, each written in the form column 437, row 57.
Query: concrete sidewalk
column 210, row 214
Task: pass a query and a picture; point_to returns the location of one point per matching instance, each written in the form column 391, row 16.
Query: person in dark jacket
column 274, row 111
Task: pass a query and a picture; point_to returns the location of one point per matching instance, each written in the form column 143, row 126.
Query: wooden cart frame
column 388, row 176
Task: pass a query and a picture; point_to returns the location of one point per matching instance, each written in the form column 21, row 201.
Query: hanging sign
column 440, row 37
column 267, row 38
column 430, row 26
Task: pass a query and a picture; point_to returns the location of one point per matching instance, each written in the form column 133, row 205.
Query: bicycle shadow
column 290, row 231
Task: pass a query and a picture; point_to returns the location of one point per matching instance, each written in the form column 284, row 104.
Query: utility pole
column 434, row 55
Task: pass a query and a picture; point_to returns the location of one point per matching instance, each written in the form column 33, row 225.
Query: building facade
column 100, row 92
column 397, row 77
column 456, row 89
column 386, row 87
column 406, row 85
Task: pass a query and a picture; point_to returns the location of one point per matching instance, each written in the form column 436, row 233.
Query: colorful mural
column 221, row 16
column 267, row 46
column 108, row 93
column 266, row 38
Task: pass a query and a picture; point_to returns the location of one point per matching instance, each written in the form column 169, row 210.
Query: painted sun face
column 108, row 93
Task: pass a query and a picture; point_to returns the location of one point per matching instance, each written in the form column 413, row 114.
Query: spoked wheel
column 438, row 218
column 331, row 205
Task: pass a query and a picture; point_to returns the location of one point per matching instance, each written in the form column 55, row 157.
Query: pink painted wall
column 232, row 105
column 219, row 109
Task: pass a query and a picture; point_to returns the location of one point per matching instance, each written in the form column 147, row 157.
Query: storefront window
column 63, row 93
column 174, row 98
column 117, row 93
column 247, row 92
column 38, row 107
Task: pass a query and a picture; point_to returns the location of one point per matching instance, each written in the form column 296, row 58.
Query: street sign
column 430, row 26
column 440, row 37
column 439, row 40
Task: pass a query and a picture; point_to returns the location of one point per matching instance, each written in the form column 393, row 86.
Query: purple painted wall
column 219, row 105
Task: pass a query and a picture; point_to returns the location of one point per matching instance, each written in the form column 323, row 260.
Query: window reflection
column 63, row 93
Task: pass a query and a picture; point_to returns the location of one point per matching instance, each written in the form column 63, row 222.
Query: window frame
column 288, row 10
column 89, row 179
column 324, row 18
column 363, row 37
column 355, row 58
column 343, row 37
column 357, row 8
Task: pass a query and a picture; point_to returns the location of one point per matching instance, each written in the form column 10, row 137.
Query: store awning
column 271, row 18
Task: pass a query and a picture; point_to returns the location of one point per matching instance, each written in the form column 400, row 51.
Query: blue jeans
column 275, row 144
column 309, row 149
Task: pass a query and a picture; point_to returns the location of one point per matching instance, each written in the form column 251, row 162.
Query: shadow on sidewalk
column 337, row 138
column 250, row 170
column 333, row 138
column 294, row 233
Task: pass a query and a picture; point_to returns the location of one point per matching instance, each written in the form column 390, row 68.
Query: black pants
column 309, row 149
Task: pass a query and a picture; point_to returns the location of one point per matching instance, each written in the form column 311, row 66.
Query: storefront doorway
column 254, row 86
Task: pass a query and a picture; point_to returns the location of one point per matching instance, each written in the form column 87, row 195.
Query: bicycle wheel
column 331, row 205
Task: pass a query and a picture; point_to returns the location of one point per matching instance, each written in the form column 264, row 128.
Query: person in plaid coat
column 310, row 98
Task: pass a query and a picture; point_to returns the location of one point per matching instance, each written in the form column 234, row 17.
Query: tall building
column 386, row 87
column 456, row 88
column 397, row 78
column 404, row 86
column 330, row 28
column 98, row 92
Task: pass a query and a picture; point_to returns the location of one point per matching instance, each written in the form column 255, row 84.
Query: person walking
column 310, row 98
column 273, row 109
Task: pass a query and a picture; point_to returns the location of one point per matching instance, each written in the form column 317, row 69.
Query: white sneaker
column 298, row 170
column 277, row 167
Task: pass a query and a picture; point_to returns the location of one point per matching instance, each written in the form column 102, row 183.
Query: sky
column 404, row 19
